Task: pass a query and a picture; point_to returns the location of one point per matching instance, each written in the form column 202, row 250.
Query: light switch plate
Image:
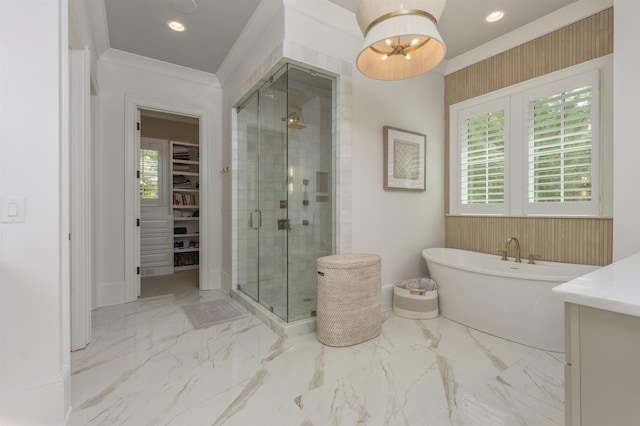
column 12, row 210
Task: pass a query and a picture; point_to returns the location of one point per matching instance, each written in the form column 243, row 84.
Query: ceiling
column 140, row 26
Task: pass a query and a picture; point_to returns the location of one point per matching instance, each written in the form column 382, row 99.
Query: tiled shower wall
column 573, row 240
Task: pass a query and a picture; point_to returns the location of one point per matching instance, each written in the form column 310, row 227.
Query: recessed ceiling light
column 494, row 16
column 176, row 26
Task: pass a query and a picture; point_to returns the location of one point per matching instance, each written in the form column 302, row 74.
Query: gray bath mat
column 206, row 314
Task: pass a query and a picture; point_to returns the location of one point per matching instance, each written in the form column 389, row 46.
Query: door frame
column 131, row 196
column 81, row 178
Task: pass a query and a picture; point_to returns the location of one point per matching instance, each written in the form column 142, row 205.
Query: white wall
column 159, row 83
column 34, row 287
column 395, row 225
column 626, row 148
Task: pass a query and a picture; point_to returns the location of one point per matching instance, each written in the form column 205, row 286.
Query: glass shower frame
column 285, row 189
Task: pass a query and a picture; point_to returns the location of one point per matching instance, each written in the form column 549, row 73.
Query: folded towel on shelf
column 182, row 167
column 180, row 181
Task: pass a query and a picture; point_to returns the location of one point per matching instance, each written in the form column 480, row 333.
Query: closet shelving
column 185, row 195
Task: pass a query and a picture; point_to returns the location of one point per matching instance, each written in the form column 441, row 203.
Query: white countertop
column 614, row 288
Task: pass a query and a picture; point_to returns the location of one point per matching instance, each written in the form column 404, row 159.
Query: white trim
column 64, row 118
column 126, row 59
column 57, row 380
column 51, row 396
column 84, row 33
column 561, row 18
column 327, row 13
column 137, row 207
column 97, row 19
column 261, row 20
column 94, row 126
column 208, row 279
column 81, row 193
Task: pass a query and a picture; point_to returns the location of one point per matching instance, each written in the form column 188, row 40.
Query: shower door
column 262, row 186
column 284, row 189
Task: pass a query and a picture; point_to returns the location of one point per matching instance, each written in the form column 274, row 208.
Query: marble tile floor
column 176, row 283
column 146, row 366
column 273, row 293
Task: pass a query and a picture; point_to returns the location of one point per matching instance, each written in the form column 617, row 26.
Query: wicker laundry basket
column 349, row 299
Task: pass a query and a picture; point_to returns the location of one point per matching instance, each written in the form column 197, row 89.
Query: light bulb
column 408, row 56
column 388, row 41
column 384, row 57
column 176, row 26
column 414, row 41
column 494, row 16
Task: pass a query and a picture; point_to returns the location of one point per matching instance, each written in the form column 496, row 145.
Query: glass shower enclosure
column 285, row 180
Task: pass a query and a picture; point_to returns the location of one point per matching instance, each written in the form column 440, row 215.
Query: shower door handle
column 251, row 225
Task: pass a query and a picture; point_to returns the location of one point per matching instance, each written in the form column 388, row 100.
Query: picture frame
column 405, row 160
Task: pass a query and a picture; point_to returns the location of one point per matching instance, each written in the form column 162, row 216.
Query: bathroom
column 396, row 225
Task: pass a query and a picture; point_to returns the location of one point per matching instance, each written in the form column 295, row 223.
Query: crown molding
column 327, row 13
column 119, row 57
column 260, row 21
column 561, row 18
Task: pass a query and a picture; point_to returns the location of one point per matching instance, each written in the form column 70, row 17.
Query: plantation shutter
column 149, row 174
column 482, row 156
column 560, row 147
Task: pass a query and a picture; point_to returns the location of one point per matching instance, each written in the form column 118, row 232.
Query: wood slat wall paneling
column 571, row 240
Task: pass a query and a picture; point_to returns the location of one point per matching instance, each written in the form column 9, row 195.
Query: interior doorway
column 169, row 188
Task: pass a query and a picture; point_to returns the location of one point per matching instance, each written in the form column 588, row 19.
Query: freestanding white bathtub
column 504, row 298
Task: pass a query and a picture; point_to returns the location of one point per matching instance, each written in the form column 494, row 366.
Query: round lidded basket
column 349, row 299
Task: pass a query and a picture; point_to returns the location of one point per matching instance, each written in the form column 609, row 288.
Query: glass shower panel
column 247, row 195
column 273, row 194
column 285, row 180
column 310, row 202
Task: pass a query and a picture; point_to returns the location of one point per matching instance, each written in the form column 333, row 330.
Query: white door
column 156, row 224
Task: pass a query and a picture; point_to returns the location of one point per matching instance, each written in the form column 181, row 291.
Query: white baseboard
column 42, row 402
column 108, row 294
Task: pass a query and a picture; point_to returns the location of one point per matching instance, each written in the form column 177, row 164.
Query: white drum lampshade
column 401, row 37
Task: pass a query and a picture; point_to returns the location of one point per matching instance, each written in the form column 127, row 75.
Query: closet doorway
column 169, row 203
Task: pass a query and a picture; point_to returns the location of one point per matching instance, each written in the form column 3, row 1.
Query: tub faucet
column 515, row 240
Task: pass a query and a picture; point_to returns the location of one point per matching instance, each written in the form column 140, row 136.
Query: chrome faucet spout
column 515, row 240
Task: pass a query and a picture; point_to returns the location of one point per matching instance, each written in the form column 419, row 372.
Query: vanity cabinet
column 602, row 345
column 602, row 370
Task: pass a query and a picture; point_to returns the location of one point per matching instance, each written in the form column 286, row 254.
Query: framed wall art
column 405, row 160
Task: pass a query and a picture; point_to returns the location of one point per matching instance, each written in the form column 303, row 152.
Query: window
column 560, row 147
column 149, row 174
column 153, row 171
column 563, row 146
column 533, row 148
column 482, row 160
